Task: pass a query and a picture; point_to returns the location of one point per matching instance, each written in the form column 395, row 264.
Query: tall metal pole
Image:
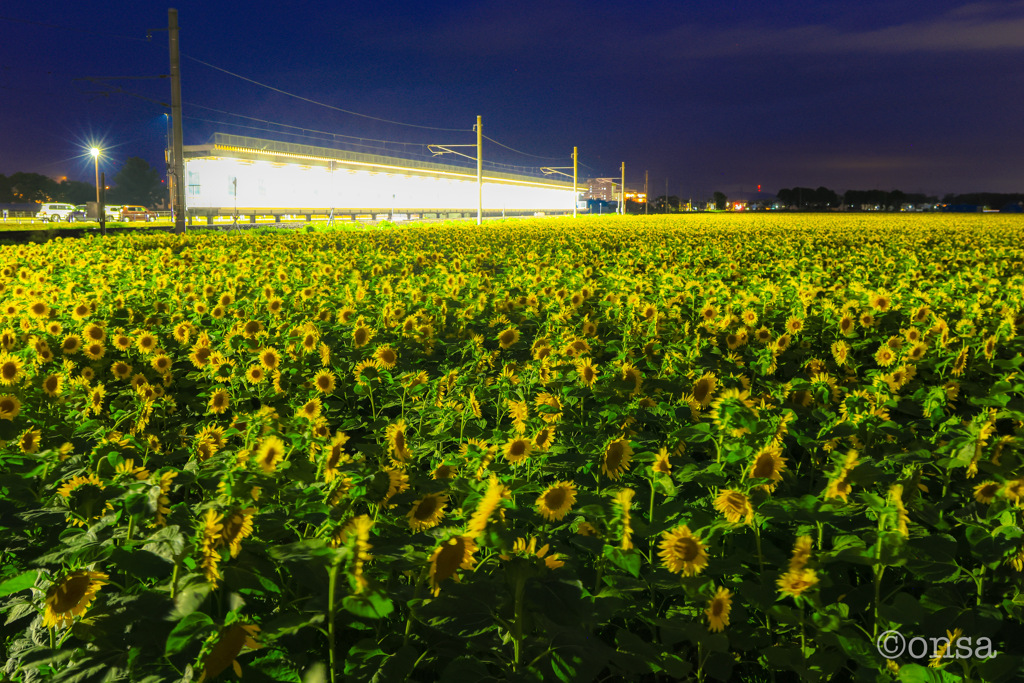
column 622, row 192
column 575, row 195
column 646, row 198
column 176, row 143
column 479, row 171
column 96, row 158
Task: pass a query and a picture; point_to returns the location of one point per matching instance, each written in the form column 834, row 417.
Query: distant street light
column 95, row 152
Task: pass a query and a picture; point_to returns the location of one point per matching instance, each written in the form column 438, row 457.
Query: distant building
column 608, row 189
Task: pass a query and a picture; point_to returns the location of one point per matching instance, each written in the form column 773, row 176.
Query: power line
column 519, row 152
column 322, row 104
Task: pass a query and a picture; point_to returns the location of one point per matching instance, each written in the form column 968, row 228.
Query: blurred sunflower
column 768, row 463
column 10, row 406
column 230, row 642
column 682, row 551
column 616, row 458
column 704, row 389
column 386, row 357
column 448, row 557
column 718, row 610
column 10, row 369
column 398, row 446
column 517, row 449
column 587, row 372
column 219, row 402
column 735, row 506
column 427, row 512
column 556, row 501
column 71, row 596
column 270, row 453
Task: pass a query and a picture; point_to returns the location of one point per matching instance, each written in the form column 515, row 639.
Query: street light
column 95, row 152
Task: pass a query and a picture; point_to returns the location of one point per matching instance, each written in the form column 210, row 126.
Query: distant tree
column 720, row 200
column 663, row 204
column 32, row 187
column 75, row 192
column 824, row 198
column 136, row 183
column 5, row 190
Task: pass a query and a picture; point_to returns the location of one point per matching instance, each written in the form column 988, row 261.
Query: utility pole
column 479, row 171
column 646, row 198
column 622, row 192
column 177, row 155
column 575, row 195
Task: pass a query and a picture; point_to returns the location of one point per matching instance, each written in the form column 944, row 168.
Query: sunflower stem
column 517, row 635
column 332, row 574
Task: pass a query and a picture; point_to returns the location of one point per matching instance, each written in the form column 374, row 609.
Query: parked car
column 55, row 212
column 137, row 213
column 81, row 214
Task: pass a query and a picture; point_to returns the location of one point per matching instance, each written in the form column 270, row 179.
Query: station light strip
column 229, row 148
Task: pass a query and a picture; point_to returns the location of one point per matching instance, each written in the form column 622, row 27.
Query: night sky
column 710, row 95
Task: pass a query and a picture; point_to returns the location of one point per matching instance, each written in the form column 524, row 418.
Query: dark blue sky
column 919, row 96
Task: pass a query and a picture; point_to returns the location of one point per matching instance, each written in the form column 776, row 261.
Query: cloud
column 969, row 28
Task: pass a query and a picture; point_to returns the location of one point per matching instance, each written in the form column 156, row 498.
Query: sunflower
column 840, row 352
column 768, row 463
column 682, row 551
column 489, row 503
column 10, row 369
column 718, row 609
column 310, row 410
column 28, row 441
column 81, row 311
column 556, row 501
column 230, row 642
column 624, row 499
column 200, row 356
column 269, row 358
column 146, row 343
column 398, row 446
column 508, row 337
column 587, row 372
column 631, row 373
column 209, row 541
column 161, row 363
column 661, row 463
column 709, row 312
column 398, row 482
column 517, row 449
column 986, row 492
column 616, row 458
column 220, row 401
column 543, row 439
column 236, row 527
column 763, row 335
column 1013, row 490
column 325, row 382
column 270, row 453
column 749, row 317
column 881, row 302
column 427, row 512
column 39, row 309
column 735, row 506
column 704, row 389
column 518, row 411
column 794, row 325
column 255, row 374
column 120, row 370
column 448, row 557
column 71, row 596
column 795, row 583
column 385, row 357
column 10, row 406
column 362, row 334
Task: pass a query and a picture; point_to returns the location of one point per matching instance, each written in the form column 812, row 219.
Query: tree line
column 136, row 183
column 824, row 198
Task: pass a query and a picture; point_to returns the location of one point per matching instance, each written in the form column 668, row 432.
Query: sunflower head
column 556, row 501
column 71, row 596
column 682, row 552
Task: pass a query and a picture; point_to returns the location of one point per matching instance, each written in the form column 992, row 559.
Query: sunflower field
column 707, row 448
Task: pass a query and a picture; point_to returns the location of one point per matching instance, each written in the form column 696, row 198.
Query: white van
column 55, row 212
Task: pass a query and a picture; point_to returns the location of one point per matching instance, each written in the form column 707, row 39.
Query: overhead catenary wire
column 322, row 104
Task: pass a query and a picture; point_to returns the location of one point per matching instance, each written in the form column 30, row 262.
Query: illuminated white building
column 238, row 175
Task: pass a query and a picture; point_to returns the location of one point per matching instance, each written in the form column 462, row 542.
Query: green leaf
column 623, row 559
column 194, row 628
column 18, row 583
column 369, row 605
